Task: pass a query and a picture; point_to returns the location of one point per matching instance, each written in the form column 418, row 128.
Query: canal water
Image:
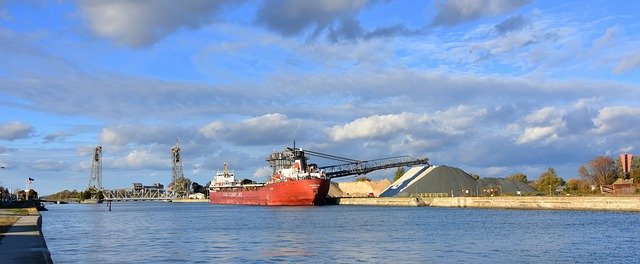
column 156, row 232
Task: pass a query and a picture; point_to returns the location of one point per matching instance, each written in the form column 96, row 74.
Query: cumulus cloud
column 541, row 127
column 454, row 12
column 142, row 23
column 616, row 119
column 452, row 121
column 376, row 126
column 15, row 130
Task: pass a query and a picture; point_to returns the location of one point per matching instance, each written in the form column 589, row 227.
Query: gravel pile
column 434, row 179
column 451, row 181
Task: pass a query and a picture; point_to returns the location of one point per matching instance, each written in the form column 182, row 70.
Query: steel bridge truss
column 137, row 195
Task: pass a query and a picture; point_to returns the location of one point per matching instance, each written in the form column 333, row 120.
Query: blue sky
column 493, row 87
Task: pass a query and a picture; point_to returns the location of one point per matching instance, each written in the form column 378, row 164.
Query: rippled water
column 156, row 232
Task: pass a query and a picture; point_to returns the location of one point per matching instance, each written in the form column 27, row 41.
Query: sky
column 492, row 87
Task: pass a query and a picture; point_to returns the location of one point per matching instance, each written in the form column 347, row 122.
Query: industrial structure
column 179, row 185
column 95, row 179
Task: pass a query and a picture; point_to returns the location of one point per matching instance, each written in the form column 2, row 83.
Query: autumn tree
column 549, row 180
column 600, row 171
column 521, row 177
column 399, row 172
column 577, row 186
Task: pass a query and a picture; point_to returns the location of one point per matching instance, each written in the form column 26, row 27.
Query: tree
column 197, row 188
column 181, row 186
column 363, row 178
column 521, row 177
column 85, row 195
column 577, row 186
column 599, row 171
column 548, row 181
column 399, row 172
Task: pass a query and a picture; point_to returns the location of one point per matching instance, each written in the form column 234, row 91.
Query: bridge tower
column 95, row 180
column 176, row 171
column 179, row 184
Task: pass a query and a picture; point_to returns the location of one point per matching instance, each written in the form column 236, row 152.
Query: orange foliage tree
column 601, row 170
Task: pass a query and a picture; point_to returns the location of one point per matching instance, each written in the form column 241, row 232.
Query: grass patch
column 14, row 211
column 6, row 222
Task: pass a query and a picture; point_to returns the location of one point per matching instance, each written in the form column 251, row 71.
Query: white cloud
column 376, row 126
column 546, row 134
column 453, row 121
column 267, row 129
column 140, row 159
column 540, row 127
column 616, row 119
column 214, row 129
column 142, row 23
column 456, row 120
column 15, row 130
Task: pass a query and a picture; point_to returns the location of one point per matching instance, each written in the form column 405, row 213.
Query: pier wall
column 380, row 201
column 609, row 203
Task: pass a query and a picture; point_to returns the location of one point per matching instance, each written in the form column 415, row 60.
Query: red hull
column 293, row 192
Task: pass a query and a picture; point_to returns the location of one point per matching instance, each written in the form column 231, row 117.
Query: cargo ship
column 293, row 181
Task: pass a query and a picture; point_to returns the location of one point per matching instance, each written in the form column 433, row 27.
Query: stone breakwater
column 612, row 203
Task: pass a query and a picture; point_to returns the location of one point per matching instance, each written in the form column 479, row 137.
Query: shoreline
column 579, row 203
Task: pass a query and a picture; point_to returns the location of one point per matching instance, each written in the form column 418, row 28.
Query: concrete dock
column 24, row 242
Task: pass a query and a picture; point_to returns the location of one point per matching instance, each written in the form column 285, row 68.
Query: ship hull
column 292, row 192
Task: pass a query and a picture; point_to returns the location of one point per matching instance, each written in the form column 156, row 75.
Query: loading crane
column 359, row 167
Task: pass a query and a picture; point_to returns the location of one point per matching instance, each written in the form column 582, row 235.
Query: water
column 155, row 232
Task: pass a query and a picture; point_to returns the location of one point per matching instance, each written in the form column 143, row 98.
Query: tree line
column 601, row 170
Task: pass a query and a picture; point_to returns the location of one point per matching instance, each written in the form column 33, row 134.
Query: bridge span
column 138, row 195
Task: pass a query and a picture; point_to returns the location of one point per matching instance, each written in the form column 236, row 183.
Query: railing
column 429, row 195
